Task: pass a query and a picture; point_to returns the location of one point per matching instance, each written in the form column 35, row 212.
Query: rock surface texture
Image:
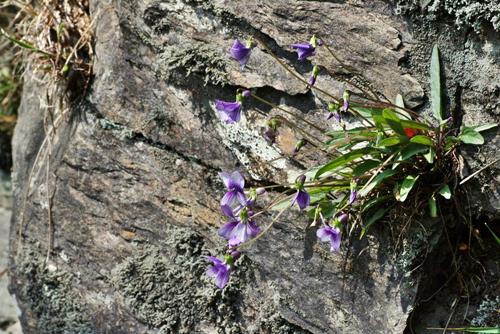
column 125, row 194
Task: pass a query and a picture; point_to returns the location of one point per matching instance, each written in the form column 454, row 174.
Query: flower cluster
column 238, row 205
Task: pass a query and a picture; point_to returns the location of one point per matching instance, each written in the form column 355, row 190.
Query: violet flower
column 302, row 197
column 238, row 229
column 241, row 52
column 305, row 50
column 333, row 111
column 314, row 75
column 353, row 195
column 235, row 183
column 230, row 112
column 220, row 271
column 330, row 234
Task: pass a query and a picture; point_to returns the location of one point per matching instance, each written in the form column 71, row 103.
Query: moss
column 466, row 13
column 171, row 292
column 193, row 59
column 119, row 130
column 49, row 295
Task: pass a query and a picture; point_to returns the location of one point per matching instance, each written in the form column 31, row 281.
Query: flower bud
column 343, row 218
column 299, row 181
column 250, row 43
column 270, row 136
column 333, row 107
column 301, row 143
column 314, row 41
column 235, row 255
column 260, row 191
column 228, row 259
column 273, row 123
column 246, row 93
column 311, row 81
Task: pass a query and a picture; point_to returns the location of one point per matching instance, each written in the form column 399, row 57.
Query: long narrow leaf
column 406, row 187
column 343, row 160
column 436, row 85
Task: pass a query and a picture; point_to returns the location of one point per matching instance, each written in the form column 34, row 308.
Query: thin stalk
column 297, row 76
column 268, row 227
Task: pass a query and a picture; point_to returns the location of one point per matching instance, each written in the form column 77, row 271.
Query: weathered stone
column 133, row 186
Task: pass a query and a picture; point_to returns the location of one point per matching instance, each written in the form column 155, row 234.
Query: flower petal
column 253, row 229
column 239, row 51
column 323, row 234
column 228, row 198
column 303, row 199
column 335, row 241
column 226, row 230
column 226, row 178
column 222, row 278
column 226, row 210
column 238, row 180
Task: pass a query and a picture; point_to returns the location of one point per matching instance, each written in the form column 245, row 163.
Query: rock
column 121, row 212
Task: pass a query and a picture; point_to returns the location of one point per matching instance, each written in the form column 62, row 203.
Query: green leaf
column 450, row 141
column 470, row 136
column 343, row 160
column 436, row 84
column 415, row 125
column 421, row 139
column 429, row 156
column 433, row 207
column 411, row 150
column 497, row 239
column 389, row 141
column 406, row 187
column 376, row 181
column 393, row 120
column 365, row 166
column 401, row 103
column 485, row 127
column 373, row 202
column 445, row 191
column 22, row 44
column 484, row 330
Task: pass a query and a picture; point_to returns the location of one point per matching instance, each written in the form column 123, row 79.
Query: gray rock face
column 128, row 198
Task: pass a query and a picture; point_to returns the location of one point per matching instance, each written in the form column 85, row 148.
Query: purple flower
column 238, row 230
column 331, row 234
column 311, row 81
column 235, row 183
column 333, row 111
column 242, row 232
column 304, row 50
column 230, row 112
column 241, row 52
column 345, row 105
column 302, row 198
column 220, row 271
column 352, row 196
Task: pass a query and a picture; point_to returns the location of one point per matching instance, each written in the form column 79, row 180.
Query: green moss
column 50, row 296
